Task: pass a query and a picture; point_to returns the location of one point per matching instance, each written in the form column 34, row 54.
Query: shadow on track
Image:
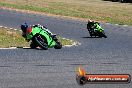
column 90, row 37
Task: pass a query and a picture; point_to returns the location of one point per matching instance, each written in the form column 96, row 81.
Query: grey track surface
column 28, row 68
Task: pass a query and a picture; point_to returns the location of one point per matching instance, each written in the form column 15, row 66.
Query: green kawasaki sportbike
column 42, row 38
column 95, row 29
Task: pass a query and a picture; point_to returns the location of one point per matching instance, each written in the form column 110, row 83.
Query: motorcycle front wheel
column 103, row 35
column 41, row 42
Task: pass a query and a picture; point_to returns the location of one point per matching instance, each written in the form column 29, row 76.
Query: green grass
column 99, row 10
column 12, row 38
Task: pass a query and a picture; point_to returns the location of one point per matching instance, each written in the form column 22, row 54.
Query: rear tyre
column 41, row 42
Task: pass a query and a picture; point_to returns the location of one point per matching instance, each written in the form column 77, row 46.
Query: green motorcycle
column 95, row 29
column 42, row 38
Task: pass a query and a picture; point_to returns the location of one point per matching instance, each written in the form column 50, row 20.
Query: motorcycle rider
column 25, row 26
column 94, row 26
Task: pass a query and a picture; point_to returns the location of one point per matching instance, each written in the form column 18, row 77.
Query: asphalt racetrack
column 29, row 68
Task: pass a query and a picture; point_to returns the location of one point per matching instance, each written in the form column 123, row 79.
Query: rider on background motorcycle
column 94, row 26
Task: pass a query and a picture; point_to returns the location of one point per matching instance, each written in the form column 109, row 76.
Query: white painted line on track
column 125, row 25
column 11, row 28
column 74, row 44
column 9, row 48
column 15, row 29
column 5, row 27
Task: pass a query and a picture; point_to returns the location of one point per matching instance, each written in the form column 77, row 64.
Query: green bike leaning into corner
column 95, row 29
column 40, row 37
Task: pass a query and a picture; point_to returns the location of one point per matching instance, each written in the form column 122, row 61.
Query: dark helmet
column 24, row 27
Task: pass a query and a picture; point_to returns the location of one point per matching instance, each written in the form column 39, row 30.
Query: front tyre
column 41, row 42
column 103, row 35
